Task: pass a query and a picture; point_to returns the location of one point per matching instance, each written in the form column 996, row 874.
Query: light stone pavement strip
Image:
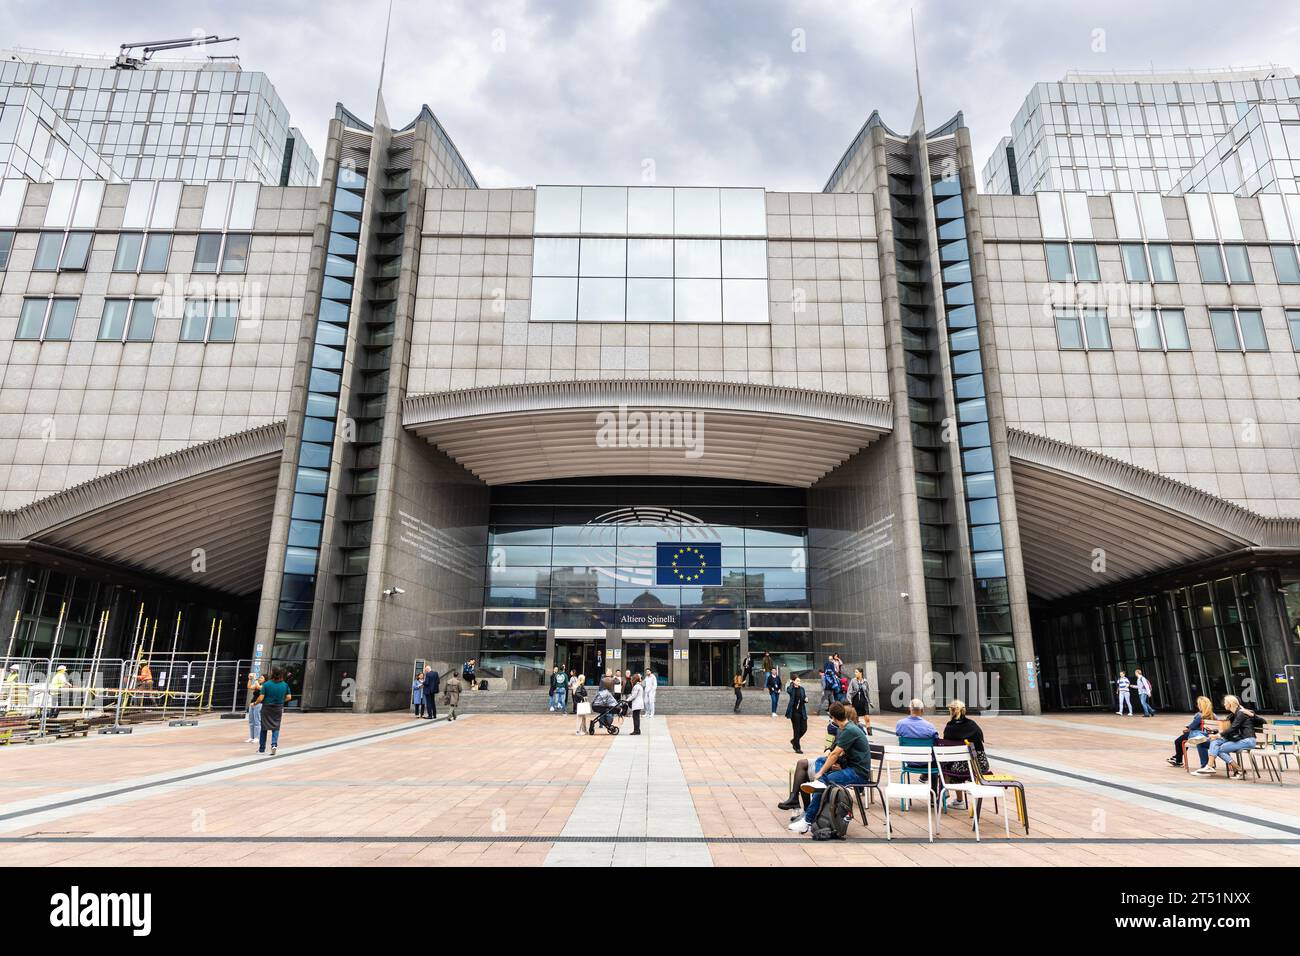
column 22, row 814
column 638, row 790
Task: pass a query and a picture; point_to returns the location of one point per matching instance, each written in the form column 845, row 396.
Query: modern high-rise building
column 1220, row 131
column 69, row 117
column 989, row 446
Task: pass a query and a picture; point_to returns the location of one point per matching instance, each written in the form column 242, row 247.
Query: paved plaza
column 525, row 791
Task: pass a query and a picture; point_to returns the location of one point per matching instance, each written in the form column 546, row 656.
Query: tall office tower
column 1199, row 131
column 72, row 117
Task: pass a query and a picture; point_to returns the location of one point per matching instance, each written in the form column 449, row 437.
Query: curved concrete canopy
column 512, row 433
column 217, row 496
column 1073, row 503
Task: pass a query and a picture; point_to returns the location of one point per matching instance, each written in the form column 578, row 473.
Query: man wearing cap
column 11, row 685
column 58, row 683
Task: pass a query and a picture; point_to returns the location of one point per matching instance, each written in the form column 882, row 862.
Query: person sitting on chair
column 914, row 724
column 851, row 753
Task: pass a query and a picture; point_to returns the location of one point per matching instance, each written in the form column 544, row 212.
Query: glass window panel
column 697, row 258
column 1284, row 264
column 977, row 460
column 225, row 316
column 1077, row 217
column 650, row 258
column 75, row 251
column 558, row 209
column 166, row 203
column 127, row 256
column 1085, row 263
column 216, row 202
column 1253, row 336
column 1211, row 264
column 6, row 246
column 48, row 248
column 989, row 564
column 304, row 534
column 1059, row 268
column 697, row 300
column 63, row 312
column 243, row 208
column 650, row 300
column 744, row 212
column 322, row 406
column 649, row 211
column 1162, row 263
column 1146, row 329
column 1293, row 322
column 1238, row 264
column 1198, row 211
column 1069, row 333
column 1124, row 206
column 112, row 323
column 986, row 537
column 554, row 300
column 1174, row 325
column 981, row 486
column 33, row 318
column 138, row 198
column 235, row 259
column 207, row 252
column 604, row 210
column 1224, row 327
column 1051, row 217
column 1225, row 213
column 696, row 211
column 1135, row 263
column 58, row 210
column 744, row 259
column 602, row 258
column 142, row 321
column 744, row 300
column 600, row 300
column 1153, row 215
column 555, row 257
column 194, row 324
column 1096, row 329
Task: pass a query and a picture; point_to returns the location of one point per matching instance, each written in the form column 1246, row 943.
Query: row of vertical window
column 1234, row 330
column 138, row 252
column 1154, row 262
column 51, row 318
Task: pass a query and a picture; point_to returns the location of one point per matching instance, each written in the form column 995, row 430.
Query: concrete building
column 988, row 446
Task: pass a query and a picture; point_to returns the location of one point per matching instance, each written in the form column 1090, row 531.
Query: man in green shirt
column 847, row 763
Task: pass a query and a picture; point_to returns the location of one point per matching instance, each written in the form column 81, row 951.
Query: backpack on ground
column 834, row 814
column 482, row 685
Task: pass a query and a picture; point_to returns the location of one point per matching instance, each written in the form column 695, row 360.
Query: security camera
column 904, row 595
column 389, row 592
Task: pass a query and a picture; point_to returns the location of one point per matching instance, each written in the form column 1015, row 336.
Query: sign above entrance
column 698, row 564
column 647, row 617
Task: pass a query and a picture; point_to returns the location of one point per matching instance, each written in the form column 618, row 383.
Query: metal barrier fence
column 69, row 696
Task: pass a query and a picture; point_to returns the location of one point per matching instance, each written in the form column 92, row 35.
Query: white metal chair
column 898, row 757
column 948, row 758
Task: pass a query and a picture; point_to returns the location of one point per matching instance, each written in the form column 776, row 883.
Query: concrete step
column 668, row 700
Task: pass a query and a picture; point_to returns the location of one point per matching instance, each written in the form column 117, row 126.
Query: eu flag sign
column 679, row 563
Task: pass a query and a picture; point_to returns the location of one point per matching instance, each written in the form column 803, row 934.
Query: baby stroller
column 606, row 712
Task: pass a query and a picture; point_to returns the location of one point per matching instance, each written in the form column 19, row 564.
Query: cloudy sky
column 750, row 92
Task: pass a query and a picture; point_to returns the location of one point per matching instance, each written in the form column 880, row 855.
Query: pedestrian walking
column 796, row 711
column 636, row 703
column 452, row 695
column 254, row 686
column 1123, row 690
column 580, row 705
column 858, row 696
column 575, row 681
column 773, row 684
column 737, row 682
column 431, row 688
column 651, row 685
column 830, row 686
column 557, row 685
column 747, row 668
column 1144, row 693
column 272, row 695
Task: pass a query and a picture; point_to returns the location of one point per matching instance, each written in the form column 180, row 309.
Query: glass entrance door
column 641, row 656
column 714, row 663
column 585, row 657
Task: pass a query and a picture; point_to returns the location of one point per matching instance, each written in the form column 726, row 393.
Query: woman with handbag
column 636, row 703
column 858, row 693
column 580, row 705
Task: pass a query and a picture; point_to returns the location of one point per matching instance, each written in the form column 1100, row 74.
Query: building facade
column 989, row 446
column 71, row 117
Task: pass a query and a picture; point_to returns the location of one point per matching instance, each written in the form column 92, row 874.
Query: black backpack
column 834, row 814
